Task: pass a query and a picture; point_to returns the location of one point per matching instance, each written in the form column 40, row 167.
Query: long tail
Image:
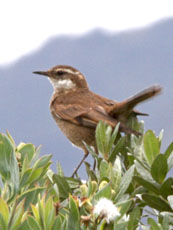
column 128, row 104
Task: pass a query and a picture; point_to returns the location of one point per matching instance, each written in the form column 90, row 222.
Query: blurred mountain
column 116, row 65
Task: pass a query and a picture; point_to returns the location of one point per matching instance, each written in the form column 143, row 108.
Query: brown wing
column 70, row 112
column 88, row 117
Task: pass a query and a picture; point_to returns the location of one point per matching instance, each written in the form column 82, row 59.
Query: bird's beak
column 45, row 73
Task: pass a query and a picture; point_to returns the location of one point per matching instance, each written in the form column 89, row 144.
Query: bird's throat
column 62, row 85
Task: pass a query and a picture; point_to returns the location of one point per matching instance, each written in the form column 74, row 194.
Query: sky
column 26, row 25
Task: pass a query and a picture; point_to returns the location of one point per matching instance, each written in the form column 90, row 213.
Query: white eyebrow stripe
column 68, row 71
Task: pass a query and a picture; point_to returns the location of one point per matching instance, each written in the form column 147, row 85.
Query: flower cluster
column 106, row 209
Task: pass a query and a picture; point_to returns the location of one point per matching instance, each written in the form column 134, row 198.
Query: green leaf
column 144, row 172
column 125, row 182
column 24, row 179
column 159, row 168
column 4, row 211
column 36, row 155
column 117, row 149
column 30, row 196
column 153, row 224
column 166, row 222
column 90, row 172
column 74, row 218
column 104, row 169
column 169, row 150
column 121, row 226
column 63, row 186
column 3, row 223
column 91, row 150
column 73, row 182
column 124, row 206
column 104, row 192
column 170, row 201
column 146, row 184
column 57, row 224
column 116, row 173
column 151, row 146
column 160, row 137
column 42, row 162
column 24, row 226
column 113, row 137
column 35, row 175
column 156, row 202
column 41, row 210
column 103, row 137
column 8, row 163
column 33, row 223
column 60, row 170
column 16, row 220
column 134, row 124
column 49, row 213
column 26, row 150
column 167, row 188
column 11, row 139
column 170, row 161
column 134, row 218
column 30, row 176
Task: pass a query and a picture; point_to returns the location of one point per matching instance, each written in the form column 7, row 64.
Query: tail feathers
column 137, row 113
column 127, row 130
column 130, row 103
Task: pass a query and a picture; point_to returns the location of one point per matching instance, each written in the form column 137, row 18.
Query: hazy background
column 116, row 65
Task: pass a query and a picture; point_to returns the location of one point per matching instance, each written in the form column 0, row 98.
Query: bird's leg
column 81, row 162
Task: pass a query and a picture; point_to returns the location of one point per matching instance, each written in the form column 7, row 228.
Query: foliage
column 129, row 186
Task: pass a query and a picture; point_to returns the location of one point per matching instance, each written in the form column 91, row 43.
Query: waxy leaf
column 153, row 224
column 103, row 136
column 9, row 169
column 26, row 150
column 33, row 223
column 59, row 170
column 16, row 220
column 121, row 226
column 3, row 223
column 124, row 206
column 167, row 188
column 170, row 162
column 118, row 147
column 151, row 146
column 104, row 192
column 156, row 202
column 170, row 200
column 57, row 224
column 63, row 186
column 114, row 135
column 125, row 182
column 159, row 168
column 4, row 211
column 74, row 218
column 146, row 184
column 30, row 196
column 169, row 150
column 104, row 169
column 134, row 218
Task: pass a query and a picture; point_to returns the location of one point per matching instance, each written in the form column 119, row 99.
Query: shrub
column 129, row 188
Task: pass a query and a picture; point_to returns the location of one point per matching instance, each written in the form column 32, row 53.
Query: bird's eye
column 60, row 73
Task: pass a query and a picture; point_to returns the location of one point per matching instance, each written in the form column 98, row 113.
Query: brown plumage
column 77, row 110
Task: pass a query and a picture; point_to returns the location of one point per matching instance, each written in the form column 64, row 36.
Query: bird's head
column 64, row 78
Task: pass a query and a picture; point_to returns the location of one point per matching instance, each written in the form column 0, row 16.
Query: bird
column 77, row 110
